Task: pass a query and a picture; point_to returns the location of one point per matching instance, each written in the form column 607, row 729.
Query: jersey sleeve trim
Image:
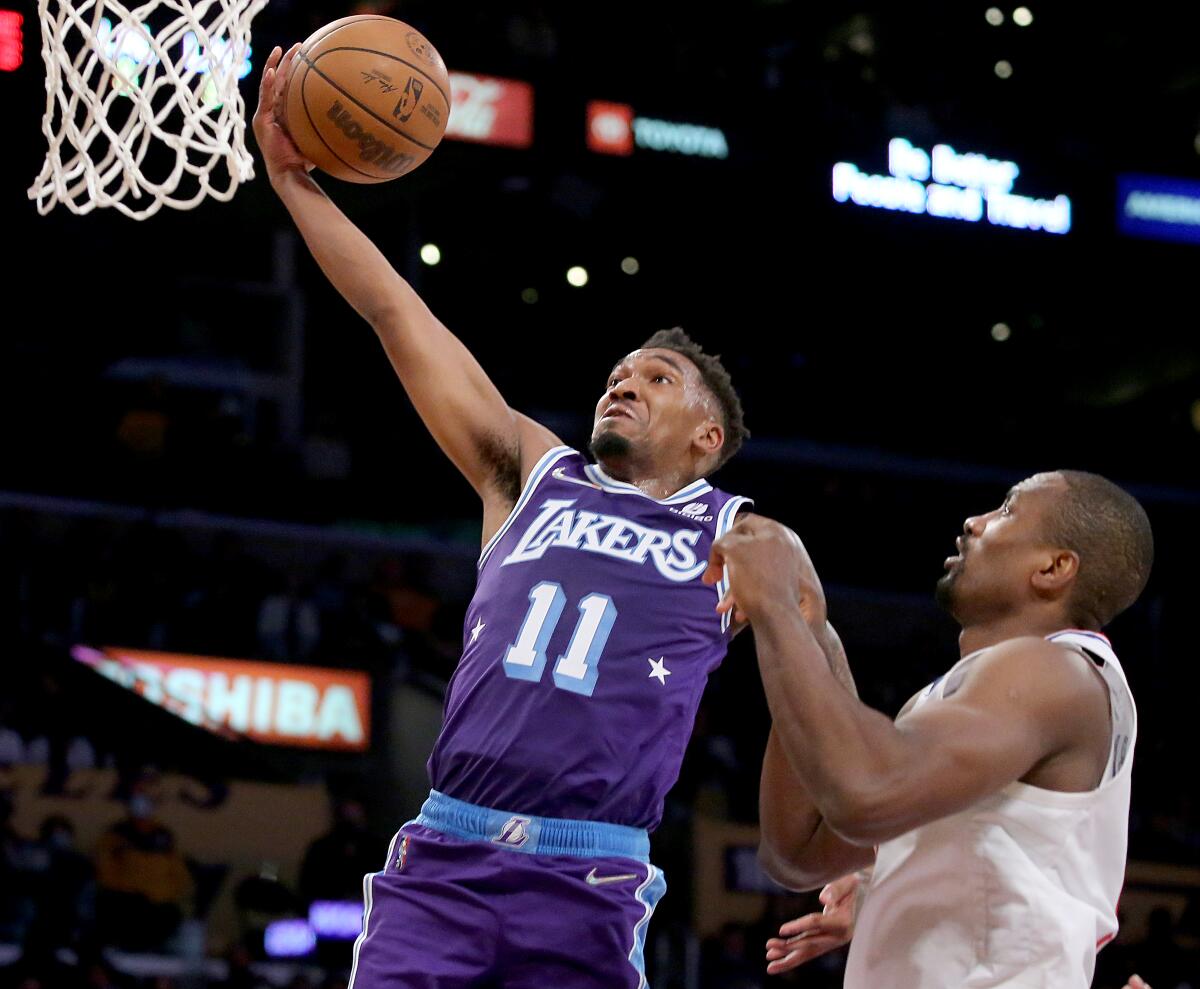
column 725, row 519
column 540, row 470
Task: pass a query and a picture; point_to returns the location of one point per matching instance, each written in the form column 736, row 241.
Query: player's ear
column 1056, row 573
column 709, row 437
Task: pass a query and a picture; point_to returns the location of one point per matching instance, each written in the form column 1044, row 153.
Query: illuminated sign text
column 950, row 185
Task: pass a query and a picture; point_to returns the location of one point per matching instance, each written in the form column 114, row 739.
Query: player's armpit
column 511, row 468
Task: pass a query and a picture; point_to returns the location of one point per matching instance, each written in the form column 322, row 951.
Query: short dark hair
column 715, row 378
column 1110, row 531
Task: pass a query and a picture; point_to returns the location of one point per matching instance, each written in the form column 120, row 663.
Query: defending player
column 999, row 799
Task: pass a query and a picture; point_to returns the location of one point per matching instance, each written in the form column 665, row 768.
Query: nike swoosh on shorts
column 593, row 880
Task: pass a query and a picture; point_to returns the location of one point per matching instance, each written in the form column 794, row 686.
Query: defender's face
column 654, row 401
column 999, row 551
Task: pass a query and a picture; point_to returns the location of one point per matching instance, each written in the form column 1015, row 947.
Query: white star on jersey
column 658, row 670
column 480, row 625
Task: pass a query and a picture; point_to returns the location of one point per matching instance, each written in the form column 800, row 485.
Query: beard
column 943, row 593
column 610, row 446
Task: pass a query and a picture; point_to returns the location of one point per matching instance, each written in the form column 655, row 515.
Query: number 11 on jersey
column 576, row 669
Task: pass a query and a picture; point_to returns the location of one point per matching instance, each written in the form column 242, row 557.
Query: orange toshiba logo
column 276, row 703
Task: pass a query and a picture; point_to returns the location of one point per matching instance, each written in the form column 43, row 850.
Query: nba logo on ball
column 340, row 99
column 408, row 100
column 610, row 128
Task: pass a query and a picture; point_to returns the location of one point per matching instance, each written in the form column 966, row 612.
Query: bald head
column 1109, row 531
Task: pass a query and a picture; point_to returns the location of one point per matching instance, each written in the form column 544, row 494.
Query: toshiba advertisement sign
column 273, row 703
column 489, row 110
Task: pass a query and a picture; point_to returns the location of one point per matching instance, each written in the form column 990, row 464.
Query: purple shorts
column 451, row 911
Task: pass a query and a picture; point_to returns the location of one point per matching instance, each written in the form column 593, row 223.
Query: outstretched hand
column 765, row 563
column 816, row 934
column 279, row 151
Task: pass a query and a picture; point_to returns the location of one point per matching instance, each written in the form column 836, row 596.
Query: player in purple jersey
column 585, row 651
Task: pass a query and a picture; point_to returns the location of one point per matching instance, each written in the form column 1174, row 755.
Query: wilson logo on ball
column 367, row 100
column 408, row 100
column 370, row 148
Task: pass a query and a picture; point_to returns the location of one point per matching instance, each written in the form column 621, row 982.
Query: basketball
column 367, row 98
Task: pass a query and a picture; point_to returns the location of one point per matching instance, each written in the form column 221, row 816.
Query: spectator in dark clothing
column 221, row 612
column 289, row 622
column 65, row 892
column 18, row 869
column 241, row 975
column 143, row 879
column 727, row 964
column 262, row 899
column 335, row 863
column 1160, row 959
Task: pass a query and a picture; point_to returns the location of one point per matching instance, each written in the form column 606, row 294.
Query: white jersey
column 1018, row 890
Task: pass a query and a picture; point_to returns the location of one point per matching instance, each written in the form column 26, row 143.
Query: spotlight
column 1004, row 69
column 630, row 266
column 529, row 295
column 431, row 254
column 1022, row 17
column 995, row 16
column 1001, row 332
column 577, row 276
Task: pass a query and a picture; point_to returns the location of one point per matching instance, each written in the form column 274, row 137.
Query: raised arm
column 1025, row 701
column 492, row 445
column 797, row 848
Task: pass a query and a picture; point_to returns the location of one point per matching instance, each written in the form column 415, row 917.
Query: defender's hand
column 766, row 563
column 279, row 151
column 816, row 934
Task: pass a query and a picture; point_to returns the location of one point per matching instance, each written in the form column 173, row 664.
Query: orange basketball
column 367, row 98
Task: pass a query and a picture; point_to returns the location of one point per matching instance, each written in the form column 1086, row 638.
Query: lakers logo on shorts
column 402, row 855
column 514, row 833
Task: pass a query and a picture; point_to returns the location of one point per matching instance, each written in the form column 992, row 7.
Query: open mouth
column 952, row 561
column 615, row 411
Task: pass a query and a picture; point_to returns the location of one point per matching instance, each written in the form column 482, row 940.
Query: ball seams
column 312, row 126
column 312, row 65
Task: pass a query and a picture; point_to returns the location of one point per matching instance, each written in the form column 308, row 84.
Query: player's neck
column 652, row 480
column 989, row 632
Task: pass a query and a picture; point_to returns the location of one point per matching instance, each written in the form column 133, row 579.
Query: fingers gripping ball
column 367, row 98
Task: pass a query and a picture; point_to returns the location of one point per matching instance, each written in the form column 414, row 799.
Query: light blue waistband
column 530, row 834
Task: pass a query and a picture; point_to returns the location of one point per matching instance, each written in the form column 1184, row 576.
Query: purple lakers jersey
column 586, row 648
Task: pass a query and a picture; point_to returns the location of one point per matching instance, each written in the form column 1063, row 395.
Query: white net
column 142, row 103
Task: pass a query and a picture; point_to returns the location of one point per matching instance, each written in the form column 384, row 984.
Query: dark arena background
column 234, row 566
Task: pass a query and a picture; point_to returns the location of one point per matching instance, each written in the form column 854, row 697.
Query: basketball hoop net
column 142, row 103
